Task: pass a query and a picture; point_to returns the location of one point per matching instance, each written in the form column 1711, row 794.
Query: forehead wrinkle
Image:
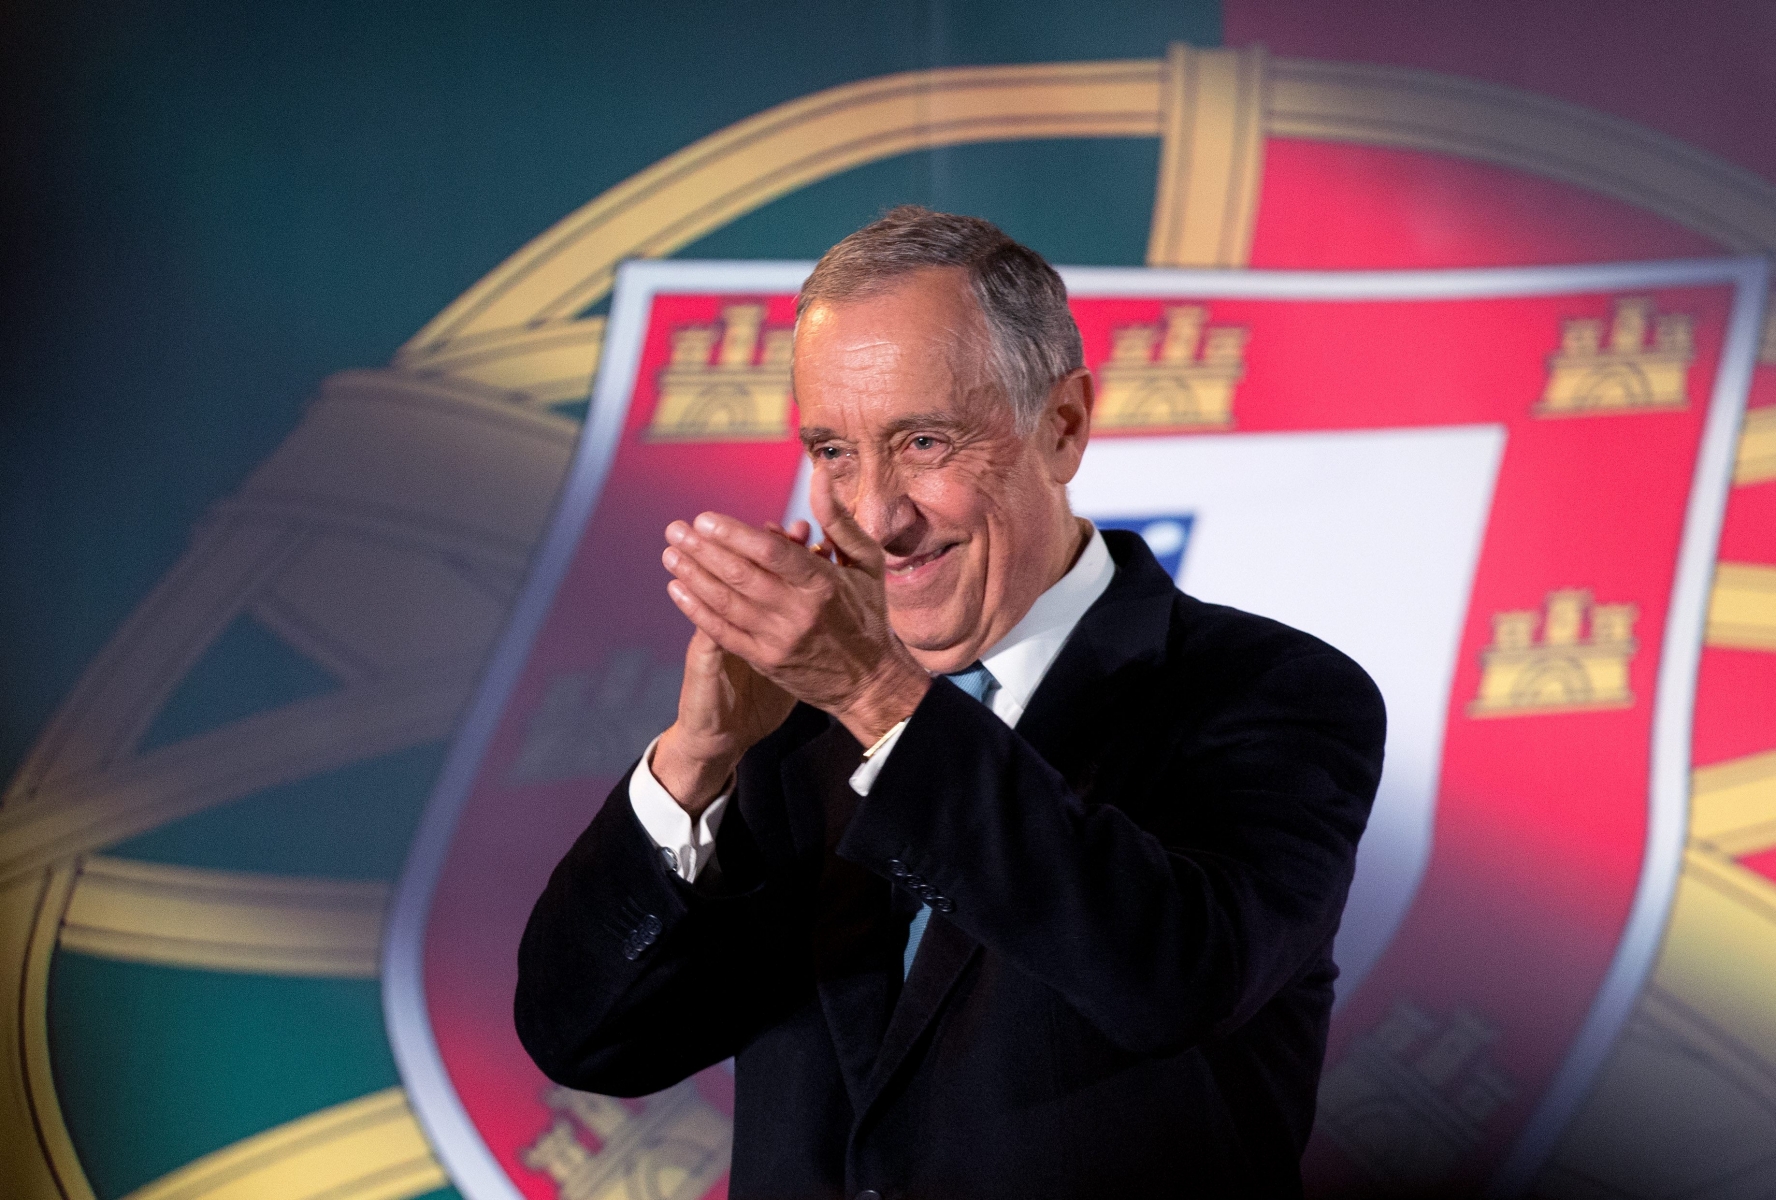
column 875, row 347
column 963, row 352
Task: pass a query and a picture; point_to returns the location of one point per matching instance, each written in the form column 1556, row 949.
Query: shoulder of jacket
column 1219, row 642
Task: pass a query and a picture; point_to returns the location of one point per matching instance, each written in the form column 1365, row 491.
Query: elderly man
column 1000, row 866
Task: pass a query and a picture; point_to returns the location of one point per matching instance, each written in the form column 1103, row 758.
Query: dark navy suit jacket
column 1125, row 985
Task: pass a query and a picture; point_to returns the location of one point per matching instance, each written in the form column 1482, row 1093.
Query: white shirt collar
column 1022, row 657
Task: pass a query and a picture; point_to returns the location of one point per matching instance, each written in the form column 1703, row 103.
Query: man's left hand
column 816, row 628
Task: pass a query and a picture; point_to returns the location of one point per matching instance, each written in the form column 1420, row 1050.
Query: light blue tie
column 977, row 681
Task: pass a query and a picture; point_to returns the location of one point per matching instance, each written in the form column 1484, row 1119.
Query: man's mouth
column 909, row 568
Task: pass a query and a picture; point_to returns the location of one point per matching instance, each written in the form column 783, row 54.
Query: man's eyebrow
column 812, row 436
column 924, row 420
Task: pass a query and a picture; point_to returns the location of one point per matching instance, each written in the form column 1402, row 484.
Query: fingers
column 724, row 544
column 719, row 630
column 842, row 531
column 752, row 591
column 754, row 602
column 703, row 656
column 693, row 557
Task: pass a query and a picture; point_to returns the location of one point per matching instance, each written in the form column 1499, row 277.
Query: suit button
column 943, row 904
column 869, row 1194
column 641, row 937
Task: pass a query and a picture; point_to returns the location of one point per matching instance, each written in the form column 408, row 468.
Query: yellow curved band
column 366, row 1149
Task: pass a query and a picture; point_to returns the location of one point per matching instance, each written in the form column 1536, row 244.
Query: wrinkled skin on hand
column 778, row 622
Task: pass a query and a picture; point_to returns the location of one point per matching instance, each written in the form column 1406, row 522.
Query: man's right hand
column 724, row 707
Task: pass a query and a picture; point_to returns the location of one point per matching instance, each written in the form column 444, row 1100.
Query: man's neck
column 1082, row 534
column 1067, row 551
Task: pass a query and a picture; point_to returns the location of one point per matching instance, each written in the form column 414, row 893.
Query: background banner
column 1266, row 435
column 1434, row 329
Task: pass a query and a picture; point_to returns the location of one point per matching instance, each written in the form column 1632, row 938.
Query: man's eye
column 923, row 441
column 829, row 453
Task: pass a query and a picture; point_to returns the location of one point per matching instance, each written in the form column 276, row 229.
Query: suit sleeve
column 631, row 979
column 1162, row 933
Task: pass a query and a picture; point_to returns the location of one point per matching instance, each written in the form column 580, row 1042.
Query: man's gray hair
column 1033, row 340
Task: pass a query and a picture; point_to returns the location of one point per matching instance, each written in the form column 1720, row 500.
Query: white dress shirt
column 1017, row 662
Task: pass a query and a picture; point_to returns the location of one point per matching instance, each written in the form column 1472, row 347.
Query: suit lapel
column 944, row 954
column 1113, row 650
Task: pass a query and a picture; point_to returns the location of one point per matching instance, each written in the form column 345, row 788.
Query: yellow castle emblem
column 1629, row 374
column 734, row 391
column 1176, row 377
column 673, row 1144
column 1569, row 668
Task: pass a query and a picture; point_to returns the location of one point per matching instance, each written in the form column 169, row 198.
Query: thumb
column 841, row 529
column 703, row 657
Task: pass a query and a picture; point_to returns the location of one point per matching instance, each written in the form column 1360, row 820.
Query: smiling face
column 899, row 406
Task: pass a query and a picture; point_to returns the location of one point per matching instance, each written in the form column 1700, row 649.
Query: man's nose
column 881, row 504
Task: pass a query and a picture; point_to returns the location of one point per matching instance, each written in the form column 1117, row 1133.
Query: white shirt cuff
column 686, row 849
column 864, row 777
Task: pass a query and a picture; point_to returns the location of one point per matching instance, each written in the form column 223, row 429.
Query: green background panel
column 353, row 823
column 246, row 670
column 156, row 1066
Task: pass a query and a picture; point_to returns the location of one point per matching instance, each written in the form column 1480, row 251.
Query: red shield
column 1499, row 490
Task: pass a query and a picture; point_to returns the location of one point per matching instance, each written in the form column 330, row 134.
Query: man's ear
column 1066, row 423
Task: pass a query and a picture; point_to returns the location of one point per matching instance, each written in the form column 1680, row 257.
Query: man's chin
column 934, row 642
